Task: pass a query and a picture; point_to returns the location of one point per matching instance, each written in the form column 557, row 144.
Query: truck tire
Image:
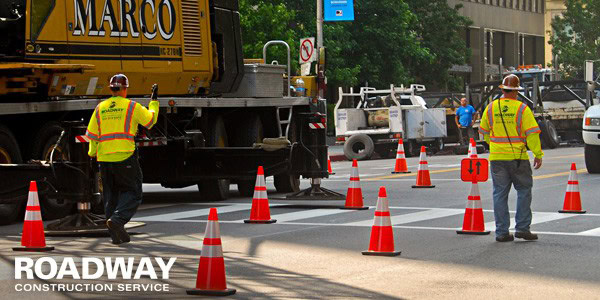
column 359, row 146
column 52, row 208
column 250, row 131
column 592, row 158
column 286, row 183
column 549, row 136
column 216, row 189
column 9, row 154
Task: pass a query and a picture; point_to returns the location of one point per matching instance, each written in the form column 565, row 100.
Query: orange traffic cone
column 260, row 212
column 473, row 220
column 400, row 159
column 329, row 166
column 572, row 203
column 423, row 180
column 354, row 197
column 472, row 149
column 33, row 238
column 211, row 270
column 382, row 235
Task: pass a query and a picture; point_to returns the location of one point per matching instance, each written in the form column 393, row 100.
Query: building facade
column 511, row 30
column 554, row 8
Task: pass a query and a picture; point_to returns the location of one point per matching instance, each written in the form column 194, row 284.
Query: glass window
column 40, row 10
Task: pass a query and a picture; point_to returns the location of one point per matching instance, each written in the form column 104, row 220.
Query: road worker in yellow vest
column 112, row 130
column 509, row 127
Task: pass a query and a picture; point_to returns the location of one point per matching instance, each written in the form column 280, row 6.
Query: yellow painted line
column 411, row 174
column 566, row 156
column 558, row 174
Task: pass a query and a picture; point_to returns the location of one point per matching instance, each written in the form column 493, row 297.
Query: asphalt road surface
column 314, row 249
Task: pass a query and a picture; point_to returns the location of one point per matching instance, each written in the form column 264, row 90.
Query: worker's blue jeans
column 122, row 188
column 504, row 175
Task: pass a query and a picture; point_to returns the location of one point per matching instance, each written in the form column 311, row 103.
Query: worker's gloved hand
column 154, row 96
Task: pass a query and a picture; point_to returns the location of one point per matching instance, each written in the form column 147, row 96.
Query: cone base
column 260, row 221
column 423, row 186
column 225, row 292
column 403, row 172
column 355, row 208
column 33, row 249
column 375, row 253
column 472, row 232
column 572, row 211
column 332, row 173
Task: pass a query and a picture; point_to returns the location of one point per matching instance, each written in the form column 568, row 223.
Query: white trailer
column 374, row 120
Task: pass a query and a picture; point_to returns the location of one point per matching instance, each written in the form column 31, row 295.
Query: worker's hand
column 154, row 96
column 537, row 163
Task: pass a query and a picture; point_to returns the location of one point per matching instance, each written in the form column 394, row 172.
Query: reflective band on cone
column 382, row 234
column 211, row 279
column 473, row 221
column 472, row 149
column 33, row 238
column 423, row 179
column 260, row 213
column 401, row 166
column 354, row 197
column 572, row 203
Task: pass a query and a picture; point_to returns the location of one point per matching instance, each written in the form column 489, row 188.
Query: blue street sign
column 339, row 10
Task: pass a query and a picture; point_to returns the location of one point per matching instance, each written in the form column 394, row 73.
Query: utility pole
column 319, row 24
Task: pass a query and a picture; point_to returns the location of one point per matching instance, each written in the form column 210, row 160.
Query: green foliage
column 576, row 37
column 390, row 41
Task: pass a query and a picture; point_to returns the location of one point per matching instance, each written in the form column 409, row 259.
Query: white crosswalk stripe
column 538, row 217
column 193, row 213
column 307, row 214
column 415, row 217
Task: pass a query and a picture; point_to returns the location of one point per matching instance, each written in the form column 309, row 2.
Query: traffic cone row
column 211, row 269
column 572, row 203
column 382, row 235
column 33, row 238
column 354, row 196
column 401, row 166
column 473, row 221
column 260, row 212
column 423, row 179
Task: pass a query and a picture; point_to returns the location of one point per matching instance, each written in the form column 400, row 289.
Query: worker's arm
column 93, row 133
column 146, row 116
column 484, row 125
column 456, row 120
column 532, row 131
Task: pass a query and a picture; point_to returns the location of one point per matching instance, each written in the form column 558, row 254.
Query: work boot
column 505, row 238
column 526, row 235
column 117, row 233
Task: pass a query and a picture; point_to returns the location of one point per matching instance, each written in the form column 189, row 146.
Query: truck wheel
column 52, row 208
column 9, row 154
column 251, row 131
column 286, row 183
column 216, row 189
column 549, row 134
column 359, row 146
column 592, row 158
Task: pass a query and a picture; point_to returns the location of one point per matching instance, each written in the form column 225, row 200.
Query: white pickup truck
column 591, row 138
column 374, row 120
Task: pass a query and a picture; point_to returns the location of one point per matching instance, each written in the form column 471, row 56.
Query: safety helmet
column 511, row 82
column 119, row 81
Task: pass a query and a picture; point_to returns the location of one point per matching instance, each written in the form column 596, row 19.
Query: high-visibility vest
column 113, row 127
column 509, row 125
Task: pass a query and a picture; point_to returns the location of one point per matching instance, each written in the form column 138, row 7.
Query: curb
column 338, row 157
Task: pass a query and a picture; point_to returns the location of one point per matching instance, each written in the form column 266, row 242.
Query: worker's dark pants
column 465, row 134
column 122, row 184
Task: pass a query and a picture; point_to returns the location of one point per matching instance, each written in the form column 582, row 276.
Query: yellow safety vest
column 113, row 127
column 508, row 139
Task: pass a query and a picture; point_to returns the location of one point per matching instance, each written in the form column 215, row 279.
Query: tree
column 576, row 37
column 438, row 27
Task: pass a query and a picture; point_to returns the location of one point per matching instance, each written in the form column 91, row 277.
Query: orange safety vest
column 113, row 127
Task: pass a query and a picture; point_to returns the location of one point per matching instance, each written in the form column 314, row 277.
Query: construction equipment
column 374, row 120
column 215, row 110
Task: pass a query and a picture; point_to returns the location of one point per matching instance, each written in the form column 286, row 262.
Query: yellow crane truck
column 218, row 115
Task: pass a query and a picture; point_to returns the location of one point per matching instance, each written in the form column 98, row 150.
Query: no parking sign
column 307, row 50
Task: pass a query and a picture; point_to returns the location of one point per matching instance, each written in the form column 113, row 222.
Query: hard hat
column 119, row 81
column 511, row 82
